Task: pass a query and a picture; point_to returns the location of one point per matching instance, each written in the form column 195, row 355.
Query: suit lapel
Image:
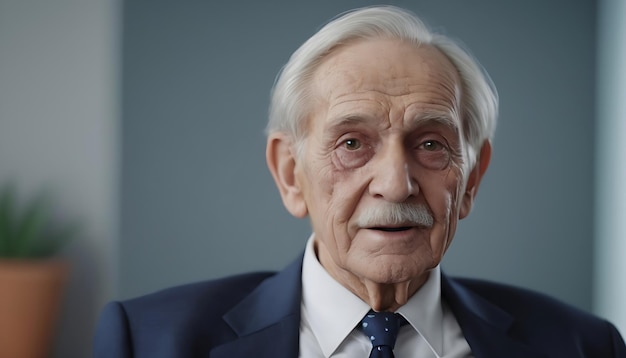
column 267, row 322
column 485, row 326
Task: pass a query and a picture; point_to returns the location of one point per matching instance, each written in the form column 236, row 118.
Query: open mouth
column 393, row 229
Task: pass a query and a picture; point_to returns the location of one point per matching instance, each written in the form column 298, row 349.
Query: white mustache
column 396, row 214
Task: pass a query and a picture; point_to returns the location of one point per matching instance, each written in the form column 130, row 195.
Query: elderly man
column 380, row 133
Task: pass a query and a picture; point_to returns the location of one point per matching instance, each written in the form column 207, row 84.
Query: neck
column 386, row 297
column 379, row 296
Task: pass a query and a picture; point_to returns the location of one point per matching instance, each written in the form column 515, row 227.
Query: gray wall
column 197, row 201
column 58, row 131
column 610, row 192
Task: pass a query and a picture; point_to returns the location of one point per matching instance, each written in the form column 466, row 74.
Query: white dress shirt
column 330, row 313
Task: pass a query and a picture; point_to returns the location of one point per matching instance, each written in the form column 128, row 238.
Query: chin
column 392, row 270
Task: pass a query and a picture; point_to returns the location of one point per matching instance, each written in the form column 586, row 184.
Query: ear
column 281, row 161
column 473, row 181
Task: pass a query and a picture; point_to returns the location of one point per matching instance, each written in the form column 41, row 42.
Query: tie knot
column 382, row 328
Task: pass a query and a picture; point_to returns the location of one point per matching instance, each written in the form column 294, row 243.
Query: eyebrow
column 350, row 119
column 442, row 118
column 423, row 118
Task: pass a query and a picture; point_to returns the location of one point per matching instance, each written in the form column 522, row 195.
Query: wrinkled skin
column 385, row 129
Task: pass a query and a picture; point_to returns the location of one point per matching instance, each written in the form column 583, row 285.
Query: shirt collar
column 424, row 312
column 326, row 300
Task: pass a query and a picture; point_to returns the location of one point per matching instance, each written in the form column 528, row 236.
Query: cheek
column 335, row 189
column 442, row 194
column 333, row 197
column 324, row 184
column 453, row 183
column 324, row 193
column 345, row 192
column 443, row 197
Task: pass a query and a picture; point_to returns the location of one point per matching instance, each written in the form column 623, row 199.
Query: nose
column 392, row 178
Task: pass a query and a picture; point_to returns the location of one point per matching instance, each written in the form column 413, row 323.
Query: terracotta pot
column 30, row 297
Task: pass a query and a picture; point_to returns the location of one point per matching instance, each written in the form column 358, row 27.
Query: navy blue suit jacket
column 239, row 316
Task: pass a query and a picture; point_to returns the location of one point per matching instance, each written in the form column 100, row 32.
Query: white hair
column 291, row 95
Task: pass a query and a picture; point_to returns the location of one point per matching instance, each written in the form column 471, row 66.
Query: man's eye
column 432, row 145
column 433, row 154
column 352, row 144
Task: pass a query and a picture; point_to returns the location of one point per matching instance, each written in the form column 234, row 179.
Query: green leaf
column 31, row 225
column 7, row 220
column 29, row 233
column 54, row 240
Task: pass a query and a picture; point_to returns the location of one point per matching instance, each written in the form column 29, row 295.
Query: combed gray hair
column 291, row 95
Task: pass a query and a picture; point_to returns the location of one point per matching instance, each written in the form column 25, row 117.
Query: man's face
column 385, row 134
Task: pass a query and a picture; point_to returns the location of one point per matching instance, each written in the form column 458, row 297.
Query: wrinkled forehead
column 389, row 67
column 387, row 58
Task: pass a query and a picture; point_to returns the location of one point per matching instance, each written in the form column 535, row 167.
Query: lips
column 393, row 229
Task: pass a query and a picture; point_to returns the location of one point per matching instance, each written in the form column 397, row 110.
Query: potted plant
column 31, row 276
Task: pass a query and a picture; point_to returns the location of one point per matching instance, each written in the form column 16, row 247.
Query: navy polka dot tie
column 382, row 330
